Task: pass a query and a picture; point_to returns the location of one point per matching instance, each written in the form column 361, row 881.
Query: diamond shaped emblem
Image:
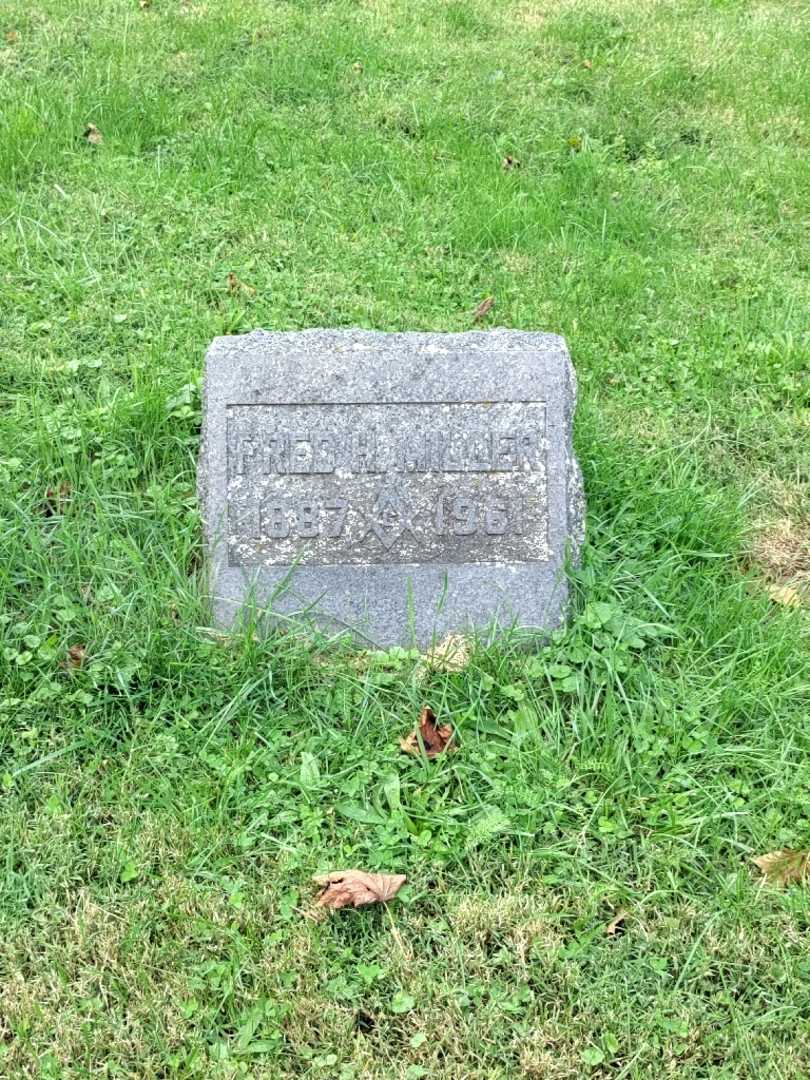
column 390, row 517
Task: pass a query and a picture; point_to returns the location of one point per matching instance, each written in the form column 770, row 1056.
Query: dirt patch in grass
column 782, row 552
column 532, row 15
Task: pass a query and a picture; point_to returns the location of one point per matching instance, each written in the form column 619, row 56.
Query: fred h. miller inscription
column 398, row 485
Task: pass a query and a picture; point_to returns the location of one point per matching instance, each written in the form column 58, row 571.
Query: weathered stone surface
column 397, row 485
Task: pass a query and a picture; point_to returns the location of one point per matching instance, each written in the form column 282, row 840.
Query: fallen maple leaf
column 55, row 499
column 364, row 1022
column 435, row 738
column 93, row 135
column 616, row 924
column 783, row 867
column 784, row 594
column 356, row 888
column 76, row 655
column 483, row 309
column 235, row 285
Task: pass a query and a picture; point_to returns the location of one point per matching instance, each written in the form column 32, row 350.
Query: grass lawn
column 167, row 793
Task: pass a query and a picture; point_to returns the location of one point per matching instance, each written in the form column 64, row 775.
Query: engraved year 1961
column 463, row 516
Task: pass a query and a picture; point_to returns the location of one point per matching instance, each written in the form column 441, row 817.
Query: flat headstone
column 401, row 486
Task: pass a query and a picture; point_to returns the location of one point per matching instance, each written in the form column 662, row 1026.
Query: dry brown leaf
column 55, row 498
column 783, row 867
column 510, row 162
column 356, row 888
column 784, row 594
column 93, row 135
column 435, row 738
column 616, row 924
column 76, row 655
column 484, row 308
column 452, row 653
column 364, row 1022
column 236, row 286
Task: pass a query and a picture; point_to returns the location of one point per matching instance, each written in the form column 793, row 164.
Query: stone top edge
column 417, row 340
column 367, row 365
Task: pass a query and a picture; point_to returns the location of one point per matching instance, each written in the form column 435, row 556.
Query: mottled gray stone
column 400, row 486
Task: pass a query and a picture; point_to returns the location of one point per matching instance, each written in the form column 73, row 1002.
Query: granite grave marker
column 401, row 486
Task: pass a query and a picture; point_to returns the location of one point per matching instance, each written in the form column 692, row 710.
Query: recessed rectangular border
column 516, row 553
